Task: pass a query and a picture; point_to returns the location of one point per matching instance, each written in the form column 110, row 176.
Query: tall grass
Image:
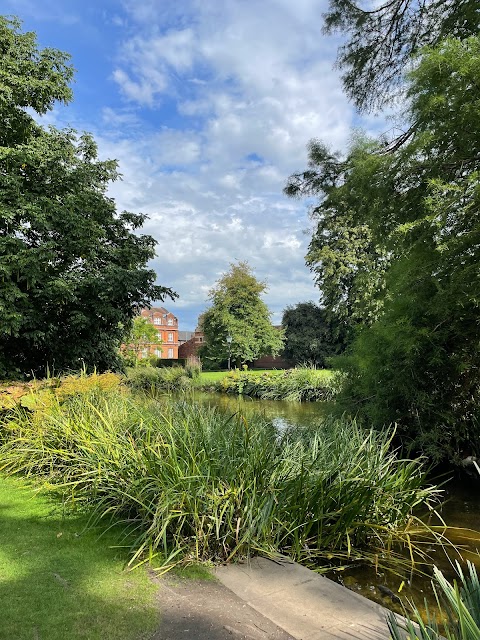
column 166, row 379
column 458, row 611
column 295, row 385
column 195, row 483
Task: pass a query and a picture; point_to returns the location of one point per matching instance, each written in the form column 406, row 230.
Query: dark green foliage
column 346, row 255
column 419, row 365
column 413, row 289
column 29, row 77
column 382, row 37
column 239, row 312
column 310, row 337
column 72, row 270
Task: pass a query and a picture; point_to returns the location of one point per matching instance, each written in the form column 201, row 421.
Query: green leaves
column 396, row 251
column 238, row 311
column 195, row 482
column 310, row 337
column 458, row 609
column 382, row 38
column 73, row 272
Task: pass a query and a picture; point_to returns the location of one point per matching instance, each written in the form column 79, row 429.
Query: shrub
column 193, row 370
column 296, row 385
column 155, row 379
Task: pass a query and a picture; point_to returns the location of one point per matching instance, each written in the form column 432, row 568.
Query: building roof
column 158, row 310
column 185, row 335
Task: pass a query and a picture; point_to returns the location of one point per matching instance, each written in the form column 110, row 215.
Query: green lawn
column 58, row 581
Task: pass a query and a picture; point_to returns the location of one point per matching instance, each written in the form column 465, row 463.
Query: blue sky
column 208, row 106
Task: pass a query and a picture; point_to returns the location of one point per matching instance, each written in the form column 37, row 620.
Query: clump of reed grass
column 42, row 393
column 154, row 379
column 295, row 385
column 196, row 483
column 458, row 616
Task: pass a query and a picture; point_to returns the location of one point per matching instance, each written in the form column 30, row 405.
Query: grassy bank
column 183, row 378
column 61, row 580
column 206, row 378
column 195, row 483
column 295, row 385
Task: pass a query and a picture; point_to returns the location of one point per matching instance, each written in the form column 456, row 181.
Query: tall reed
column 197, row 483
column 154, row 379
column 458, row 615
column 293, row 385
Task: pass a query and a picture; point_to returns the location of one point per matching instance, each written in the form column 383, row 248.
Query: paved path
column 206, row 610
column 303, row 603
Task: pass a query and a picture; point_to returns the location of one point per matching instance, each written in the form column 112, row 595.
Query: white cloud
column 220, row 100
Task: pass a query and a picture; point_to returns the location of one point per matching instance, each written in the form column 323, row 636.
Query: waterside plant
column 294, row 385
column 162, row 379
column 458, row 616
column 198, row 484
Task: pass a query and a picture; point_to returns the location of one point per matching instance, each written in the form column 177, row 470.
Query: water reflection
column 282, row 414
column 461, row 510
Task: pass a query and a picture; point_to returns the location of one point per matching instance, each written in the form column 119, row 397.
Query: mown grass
column 198, row 484
column 59, row 579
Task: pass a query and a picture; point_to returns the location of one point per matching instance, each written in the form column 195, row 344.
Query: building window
column 159, row 335
column 158, row 353
column 144, row 353
column 157, row 321
column 170, row 337
column 170, row 322
column 170, row 353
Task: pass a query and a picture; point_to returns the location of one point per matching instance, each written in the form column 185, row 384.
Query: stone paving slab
column 305, row 604
column 207, row 610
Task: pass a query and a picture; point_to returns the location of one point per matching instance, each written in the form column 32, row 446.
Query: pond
column 461, row 509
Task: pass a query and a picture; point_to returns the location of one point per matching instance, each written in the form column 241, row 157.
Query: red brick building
column 189, row 349
column 167, row 329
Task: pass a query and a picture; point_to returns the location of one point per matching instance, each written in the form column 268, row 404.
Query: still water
column 460, row 510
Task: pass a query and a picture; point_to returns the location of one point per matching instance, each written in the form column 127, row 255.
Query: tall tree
column 346, row 256
column 383, row 37
column 238, row 311
column 73, row 270
column 310, row 337
column 417, row 363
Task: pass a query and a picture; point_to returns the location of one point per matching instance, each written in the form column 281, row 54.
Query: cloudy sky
column 208, row 106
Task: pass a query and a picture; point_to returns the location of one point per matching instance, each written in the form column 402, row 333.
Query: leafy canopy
column 410, row 291
column 73, row 271
column 383, row 38
column 347, row 260
column 238, row 311
column 309, row 335
column 142, row 334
